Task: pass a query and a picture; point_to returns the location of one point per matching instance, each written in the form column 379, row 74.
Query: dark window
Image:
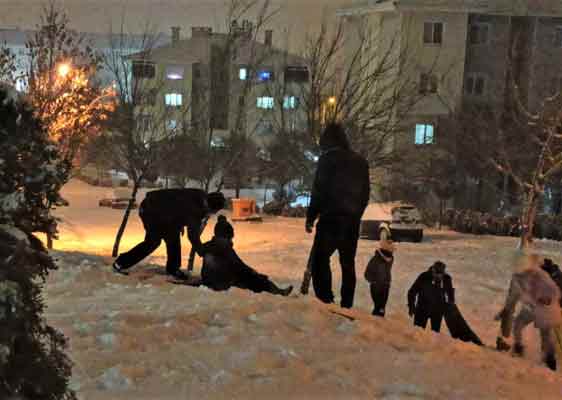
column 475, row 85
column 143, row 69
column 479, row 33
column 433, row 32
column 428, row 83
column 241, row 101
column 558, row 37
column 296, row 74
column 479, row 86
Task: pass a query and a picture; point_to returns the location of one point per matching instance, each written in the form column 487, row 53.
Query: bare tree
column 140, row 125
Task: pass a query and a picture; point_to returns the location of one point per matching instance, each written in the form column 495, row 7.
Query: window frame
column 175, row 77
column 475, row 77
column 433, row 23
column 428, row 84
column 263, row 105
column 425, row 141
column 479, row 25
column 174, row 97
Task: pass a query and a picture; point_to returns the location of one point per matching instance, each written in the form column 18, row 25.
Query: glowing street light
column 63, row 69
column 332, row 100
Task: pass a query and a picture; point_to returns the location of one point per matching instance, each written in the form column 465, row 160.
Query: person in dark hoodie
column 340, row 194
column 222, row 268
column 378, row 275
column 164, row 214
column 429, row 295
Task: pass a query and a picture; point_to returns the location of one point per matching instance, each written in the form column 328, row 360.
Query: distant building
column 15, row 39
column 245, row 87
column 460, row 48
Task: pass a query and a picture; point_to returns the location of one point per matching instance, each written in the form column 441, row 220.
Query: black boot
column 550, row 361
column 502, row 345
column 377, row 312
column 518, row 349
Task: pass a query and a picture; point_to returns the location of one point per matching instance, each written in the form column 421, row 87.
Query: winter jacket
column 341, row 186
column 173, row 209
column 379, row 268
column 538, row 292
column 429, row 296
column 556, row 275
column 222, row 268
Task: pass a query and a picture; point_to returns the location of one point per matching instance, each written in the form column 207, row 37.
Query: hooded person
column 429, row 296
column 222, row 268
column 164, row 214
column 540, row 303
column 340, row 194
column 378, row 274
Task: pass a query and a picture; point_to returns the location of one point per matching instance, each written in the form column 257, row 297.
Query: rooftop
column 539, row 8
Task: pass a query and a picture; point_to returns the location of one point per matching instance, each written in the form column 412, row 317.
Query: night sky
column 297, row 16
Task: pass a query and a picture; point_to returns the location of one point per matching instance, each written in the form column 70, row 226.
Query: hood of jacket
column 334, row 138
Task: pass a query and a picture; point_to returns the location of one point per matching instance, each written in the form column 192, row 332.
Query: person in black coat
column 429, row 295
column 378, row 274
column 340, row 194
column 164, row 214
column 554, row 272
column 222, row 268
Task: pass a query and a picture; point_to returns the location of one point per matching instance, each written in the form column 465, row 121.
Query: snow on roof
column 545, row 8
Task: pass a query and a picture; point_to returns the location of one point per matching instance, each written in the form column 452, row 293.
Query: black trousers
column 153, row 237
column 421, row 318
column 333, row 234
column 379, row 294
column 248, row 278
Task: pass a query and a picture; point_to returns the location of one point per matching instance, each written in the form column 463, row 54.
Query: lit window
column 243, row 74
column 171, row 124
column 433, row 32
column 265, row 102
column 265, row 75
column 174, row 72
column 173, row 99
column 290, row 102
column 424, row 134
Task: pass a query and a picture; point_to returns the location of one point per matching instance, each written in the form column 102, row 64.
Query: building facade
column 221, row 82
column 460, row 50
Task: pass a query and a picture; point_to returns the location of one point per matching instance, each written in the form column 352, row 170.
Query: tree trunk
column 528, row 220
column 49, row 241
column 121, row 230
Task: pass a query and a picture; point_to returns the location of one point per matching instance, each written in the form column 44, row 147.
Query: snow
column 142, row 337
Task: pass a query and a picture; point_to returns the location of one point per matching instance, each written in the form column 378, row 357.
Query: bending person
column 222, row 268
column 164, row 214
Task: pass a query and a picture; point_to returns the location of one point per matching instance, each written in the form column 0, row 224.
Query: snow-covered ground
column 145, row 338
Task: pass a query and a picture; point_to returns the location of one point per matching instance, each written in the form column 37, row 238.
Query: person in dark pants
column 340, row 194
column 378, row 274
column 222, row 268
column 429, row 295
column 164, row 214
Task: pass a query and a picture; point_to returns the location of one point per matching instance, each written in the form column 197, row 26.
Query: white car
column 396, row 221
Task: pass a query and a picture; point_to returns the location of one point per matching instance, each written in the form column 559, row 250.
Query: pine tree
column 33, row 364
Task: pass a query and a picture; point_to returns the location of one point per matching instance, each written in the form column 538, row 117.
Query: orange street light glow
column 63, row 69
column 332, row 100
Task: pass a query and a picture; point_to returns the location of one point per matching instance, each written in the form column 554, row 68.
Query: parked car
column 396, row 221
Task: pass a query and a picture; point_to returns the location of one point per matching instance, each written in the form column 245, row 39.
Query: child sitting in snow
column 378, row 275
column 222, row 268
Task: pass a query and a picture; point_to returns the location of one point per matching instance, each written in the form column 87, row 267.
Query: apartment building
column 15, row 40
column 460, row 51
column 219, row 82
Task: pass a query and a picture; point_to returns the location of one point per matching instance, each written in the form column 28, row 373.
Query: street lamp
column 63, row 69
column 332, row 100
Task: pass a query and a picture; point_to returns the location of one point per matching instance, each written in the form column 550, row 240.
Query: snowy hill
column 145, row 338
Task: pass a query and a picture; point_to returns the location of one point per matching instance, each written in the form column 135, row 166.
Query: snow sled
column 458, row 327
